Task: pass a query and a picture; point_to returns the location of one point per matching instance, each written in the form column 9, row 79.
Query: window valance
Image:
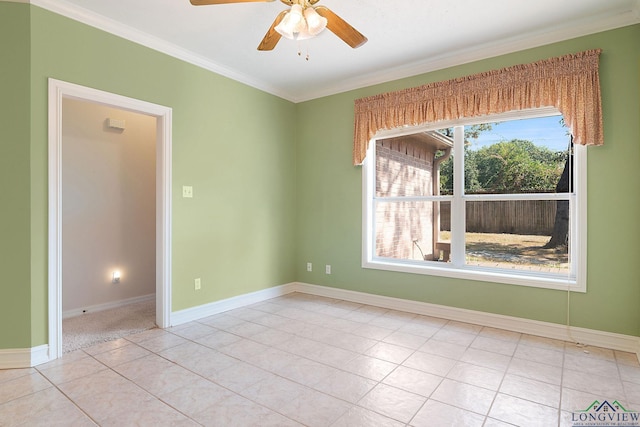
column 570, row 83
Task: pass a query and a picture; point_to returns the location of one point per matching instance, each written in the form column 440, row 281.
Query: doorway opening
column 120, row 270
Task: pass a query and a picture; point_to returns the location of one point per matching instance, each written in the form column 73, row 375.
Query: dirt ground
column 513, row 251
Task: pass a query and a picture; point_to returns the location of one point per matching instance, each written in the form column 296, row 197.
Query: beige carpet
column 93, row 328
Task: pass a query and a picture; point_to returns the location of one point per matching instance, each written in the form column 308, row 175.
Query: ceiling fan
column 302, row 21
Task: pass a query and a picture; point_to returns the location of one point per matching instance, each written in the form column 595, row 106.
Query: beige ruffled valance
column 570, row 83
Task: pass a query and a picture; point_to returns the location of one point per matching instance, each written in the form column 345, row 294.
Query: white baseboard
column 24, row 357
column 106, row 306
column 533, row 327
column 27, row 357
column 597, row 338
column 202, row 311
column 15, row 358
column 40, row 354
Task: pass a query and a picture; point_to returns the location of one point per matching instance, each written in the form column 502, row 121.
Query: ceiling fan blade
column 207, row 2
column 292, row 2
column 272, row 37
column 341, row 28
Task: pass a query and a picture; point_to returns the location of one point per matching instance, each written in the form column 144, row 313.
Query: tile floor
column 306, row 360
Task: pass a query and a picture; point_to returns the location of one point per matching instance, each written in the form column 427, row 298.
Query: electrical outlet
column 309, row 266
column 327, row 269
column 187, row 191
column 198, row 284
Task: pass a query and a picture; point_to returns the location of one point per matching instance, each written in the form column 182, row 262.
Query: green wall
column 269, row 198
column 232, row 143
column 15, row 234
column 330, row 201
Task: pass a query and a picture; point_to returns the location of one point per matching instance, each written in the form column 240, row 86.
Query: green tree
column 471, row 183
column 516, row 166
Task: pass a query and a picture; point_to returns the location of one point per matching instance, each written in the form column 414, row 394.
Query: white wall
column 108, row 205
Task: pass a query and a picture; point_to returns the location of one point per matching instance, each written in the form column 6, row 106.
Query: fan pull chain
column 300, row 52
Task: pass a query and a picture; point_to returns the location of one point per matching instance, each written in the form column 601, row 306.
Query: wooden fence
column 531, row 217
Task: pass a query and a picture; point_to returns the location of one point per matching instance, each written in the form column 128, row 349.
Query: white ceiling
column 406, row 37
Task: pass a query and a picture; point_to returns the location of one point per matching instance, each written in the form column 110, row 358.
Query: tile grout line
column 73, row 402
column 504, row 375
column 210, row 380
column 332, row 312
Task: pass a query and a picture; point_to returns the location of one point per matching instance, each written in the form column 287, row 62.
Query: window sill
column 521, row 278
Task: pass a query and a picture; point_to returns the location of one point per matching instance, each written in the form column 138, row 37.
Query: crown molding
column 471, row 54
column 126, row 32
column 483, row 51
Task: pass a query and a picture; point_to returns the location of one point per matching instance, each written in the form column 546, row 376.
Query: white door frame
column 57, row 91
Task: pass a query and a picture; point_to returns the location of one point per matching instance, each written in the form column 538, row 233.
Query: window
column 499, row 199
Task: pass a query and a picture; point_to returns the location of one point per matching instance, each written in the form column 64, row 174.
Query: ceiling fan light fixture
column 315, row 23
column 296, row 18
column 285, row 27
column 304, row 34
column 293, row 23
column 303, row 20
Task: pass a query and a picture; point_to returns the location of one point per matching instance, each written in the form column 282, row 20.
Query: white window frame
column 575, row 280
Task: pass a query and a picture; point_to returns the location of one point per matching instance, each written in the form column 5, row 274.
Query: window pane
column 412, row 230
column 508, row 215
column 408, row 165
column 513, row 235
column 516, row 156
